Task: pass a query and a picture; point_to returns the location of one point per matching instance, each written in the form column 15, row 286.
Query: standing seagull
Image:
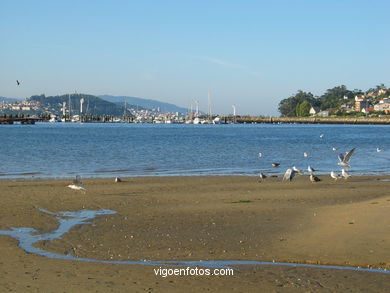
column 334, row 175
column 262, row 176
column 314, row 178
column 17, row 82
column 275, row 164
column 289, row 175
column 310, row 169
column 344, row 160
column 345, row 174
column 300, row 172
column 77, row 184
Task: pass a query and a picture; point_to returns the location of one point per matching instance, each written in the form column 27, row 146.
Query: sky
column 251, row 54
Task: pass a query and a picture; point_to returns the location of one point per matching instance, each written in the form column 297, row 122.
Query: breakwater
column 311, row 120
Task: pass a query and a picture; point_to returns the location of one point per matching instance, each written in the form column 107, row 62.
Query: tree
column 334, row 97
column 303, row 109
column 288, row 107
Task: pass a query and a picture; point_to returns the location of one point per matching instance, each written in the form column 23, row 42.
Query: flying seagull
column 344, row 160
column 310, row 169
column 260, row 155
column 305, row 154
column 77, row 184
column 321, row 135
column 314, row 178
column 17, row 82
column 334, row 149
column 378, row 150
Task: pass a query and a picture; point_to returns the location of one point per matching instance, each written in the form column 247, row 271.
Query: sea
column 104, row 150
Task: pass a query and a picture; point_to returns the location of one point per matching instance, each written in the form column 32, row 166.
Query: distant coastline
column 314, row 120
column 222, row 120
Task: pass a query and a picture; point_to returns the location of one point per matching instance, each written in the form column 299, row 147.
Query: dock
column 313, row 120
column 12, row 120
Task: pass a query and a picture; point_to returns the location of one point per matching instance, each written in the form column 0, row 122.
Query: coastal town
column 335, row 103
column 371, row 103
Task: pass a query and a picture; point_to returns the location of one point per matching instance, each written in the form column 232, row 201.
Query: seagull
column 290, row 174
column 262, row 176
column 275, row 164
column 310, row 169
column 321, row 135
column 378, row 150
column 334, row 175
column 334, row 149
column 76, row 187
column 345, row 174
column 300, row 172
column 117, row 180
column 17, row 82
column 260, row 155
column 305, row 154
column 344, row 160
column 314, row 178
column 77, row 184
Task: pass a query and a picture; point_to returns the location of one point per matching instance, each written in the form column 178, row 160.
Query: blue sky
column 248, row 53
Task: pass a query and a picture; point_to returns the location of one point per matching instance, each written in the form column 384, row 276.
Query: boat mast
column 209, row 106
column 197, row 108
column 70, row 108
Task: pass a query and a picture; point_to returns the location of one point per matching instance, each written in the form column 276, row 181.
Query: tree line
column 299, row 104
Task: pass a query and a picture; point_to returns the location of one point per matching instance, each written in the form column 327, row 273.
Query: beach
column 342, row 223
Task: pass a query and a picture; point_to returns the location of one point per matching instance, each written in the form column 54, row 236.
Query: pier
column 312, row 120
column 12, row 120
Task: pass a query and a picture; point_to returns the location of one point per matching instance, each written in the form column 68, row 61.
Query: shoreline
column 315, row 120
column 29, row 178
column 233, row 120
column 342, row 223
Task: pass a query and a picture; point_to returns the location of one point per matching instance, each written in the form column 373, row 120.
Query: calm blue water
column 58, row 150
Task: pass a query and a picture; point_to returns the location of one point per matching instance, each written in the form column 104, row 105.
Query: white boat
column 54, row 119
column 217, row 120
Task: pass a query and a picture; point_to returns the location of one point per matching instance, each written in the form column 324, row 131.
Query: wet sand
column 209, row 218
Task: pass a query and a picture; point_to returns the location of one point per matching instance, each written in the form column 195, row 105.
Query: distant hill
column 9, row 100
column 146, row 103
column 92, row 105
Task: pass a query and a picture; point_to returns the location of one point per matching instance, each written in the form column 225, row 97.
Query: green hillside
column 92, row 104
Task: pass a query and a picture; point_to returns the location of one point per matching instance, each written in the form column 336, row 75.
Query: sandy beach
column 343, row 222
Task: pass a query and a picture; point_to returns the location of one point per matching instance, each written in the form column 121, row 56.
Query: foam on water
column 27, row 237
